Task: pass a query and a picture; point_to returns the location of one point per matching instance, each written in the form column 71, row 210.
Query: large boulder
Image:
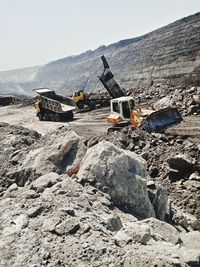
column 164, row 103
column 58, row 151
column 122, row 173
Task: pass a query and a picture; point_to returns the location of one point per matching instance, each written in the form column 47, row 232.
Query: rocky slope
column 170, row 54
column 60, row 208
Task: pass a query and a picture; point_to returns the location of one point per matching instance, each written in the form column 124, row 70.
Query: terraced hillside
column 170, row 54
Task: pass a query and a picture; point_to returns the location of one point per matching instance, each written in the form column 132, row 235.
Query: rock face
column 57, row 220
column 168, row 54
column 122, row 173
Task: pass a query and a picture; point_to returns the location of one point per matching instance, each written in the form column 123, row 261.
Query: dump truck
column 53, row 107
column 123, row 112
column 81, row 99
column 112, row 87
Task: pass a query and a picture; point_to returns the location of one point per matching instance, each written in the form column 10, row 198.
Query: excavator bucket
column 161, row 119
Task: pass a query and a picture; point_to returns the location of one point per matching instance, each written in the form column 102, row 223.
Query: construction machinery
column 123, row 110
column 54, row 107
column 108, row 81
column 123, row 113
column 111, row 86
column 81, row 99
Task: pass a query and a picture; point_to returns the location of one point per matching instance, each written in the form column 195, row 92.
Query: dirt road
column 85, row 124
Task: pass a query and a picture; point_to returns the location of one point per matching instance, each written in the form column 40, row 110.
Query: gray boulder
column 122, row 172
column 164, row 103
column 163, row 231
column 58, row 151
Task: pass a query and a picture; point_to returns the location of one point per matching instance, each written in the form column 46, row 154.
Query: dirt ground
column 86, row 124
column 92, row 127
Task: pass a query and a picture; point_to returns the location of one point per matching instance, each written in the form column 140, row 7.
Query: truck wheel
column 57, row 117
column 70, row 116
column 40, row 116
column 52, row 117
column 105, row 103
column 92, row 104
column 80, row 104
column 45, row 117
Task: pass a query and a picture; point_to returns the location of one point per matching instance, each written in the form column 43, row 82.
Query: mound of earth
column 67, row 209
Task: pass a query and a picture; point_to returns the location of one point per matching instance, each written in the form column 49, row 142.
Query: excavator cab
column 121, row 110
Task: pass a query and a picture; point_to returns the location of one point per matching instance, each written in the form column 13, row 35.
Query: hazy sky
column 34, row 32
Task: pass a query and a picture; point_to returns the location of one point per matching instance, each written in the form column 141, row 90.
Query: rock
column 12, row 188
column 18, row 223
column 164, row 103
column 192, row 184
column 180, row 162
column 191, row 240
column 164, row 230
column 59, row 151
column 68, row 210
column 49, row 224
column 184, row 219
column 69, row 226
column 34, row 212
column 160, row 254
column 122, row 239
column 134, row 233
column 122, row 172
column 193, row 109
column 194, row 176
column 114, row 223
column 45, row 181
column 159, row 199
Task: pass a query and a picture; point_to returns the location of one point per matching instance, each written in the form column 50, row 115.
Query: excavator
column 123, row 111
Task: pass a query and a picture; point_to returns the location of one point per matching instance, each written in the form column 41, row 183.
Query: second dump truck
column 54, row 107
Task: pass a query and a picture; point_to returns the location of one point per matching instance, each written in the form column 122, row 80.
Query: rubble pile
column 173, row 160
column 29, row 101
column 186, row 99
column 66, row 205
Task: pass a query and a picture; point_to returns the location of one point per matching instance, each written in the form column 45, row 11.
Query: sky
column 34, row 32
